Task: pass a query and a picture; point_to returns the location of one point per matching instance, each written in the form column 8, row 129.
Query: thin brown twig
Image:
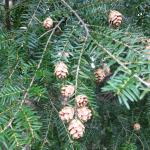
column 12, row 72
column 44, row 34
column 34, row 12
column 79, row 18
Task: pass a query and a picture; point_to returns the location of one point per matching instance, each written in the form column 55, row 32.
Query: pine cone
column 66, row 114
column 67, row 91
column 48, row 23
column 115, row 18
column 137, row 126
column 61, row 70
column 100, row 75
column 76, row 129
column 84, row 114
column 81, row 100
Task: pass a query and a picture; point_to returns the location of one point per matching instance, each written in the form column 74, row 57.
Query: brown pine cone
column 48, row 23
column 137, row 126
column 67, row 90
column 61, row 70
column 115, row 18
column 66, row 114
column 81, row 100
column 76, row 129
column 100, row 75
column 84, row 114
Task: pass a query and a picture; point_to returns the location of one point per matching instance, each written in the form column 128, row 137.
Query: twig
column 37, row 19
column 44, row 34
column 77, row 72
column 79, row 18
column 47, row 132
column 34, row 13
column 32, row 80
column 141, row 80
column 12, row 72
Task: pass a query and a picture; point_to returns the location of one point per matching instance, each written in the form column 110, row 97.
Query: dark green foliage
column 30, row 93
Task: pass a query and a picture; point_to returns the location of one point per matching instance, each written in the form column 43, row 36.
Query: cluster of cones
column 79, row 114
column 75, row 116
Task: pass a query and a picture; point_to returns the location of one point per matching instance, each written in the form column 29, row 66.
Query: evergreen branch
column 121, row 64
column 82, row 50
column 12, row 72
column 10, row 91
column 7, row 110
column 119, row 42
column 126, row 130
column 33, row 78
column 37, row 19
column 29, row 123
column 14, row 135
column 55, row 109
column 77, row 72
column 34, row 12
column 79, row 18
column 17, row 63
column 66, row 43
column 9, row 94
column 44, row 34
column 47, row 132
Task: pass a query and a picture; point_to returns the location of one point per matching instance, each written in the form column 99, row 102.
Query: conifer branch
column 121, row 64
column 34, row 12
column 12, row 72
column 126, row 130
column 119, row 42
column 77, row 73
column 79, row 18
column 33, row 78
column 47, row 132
